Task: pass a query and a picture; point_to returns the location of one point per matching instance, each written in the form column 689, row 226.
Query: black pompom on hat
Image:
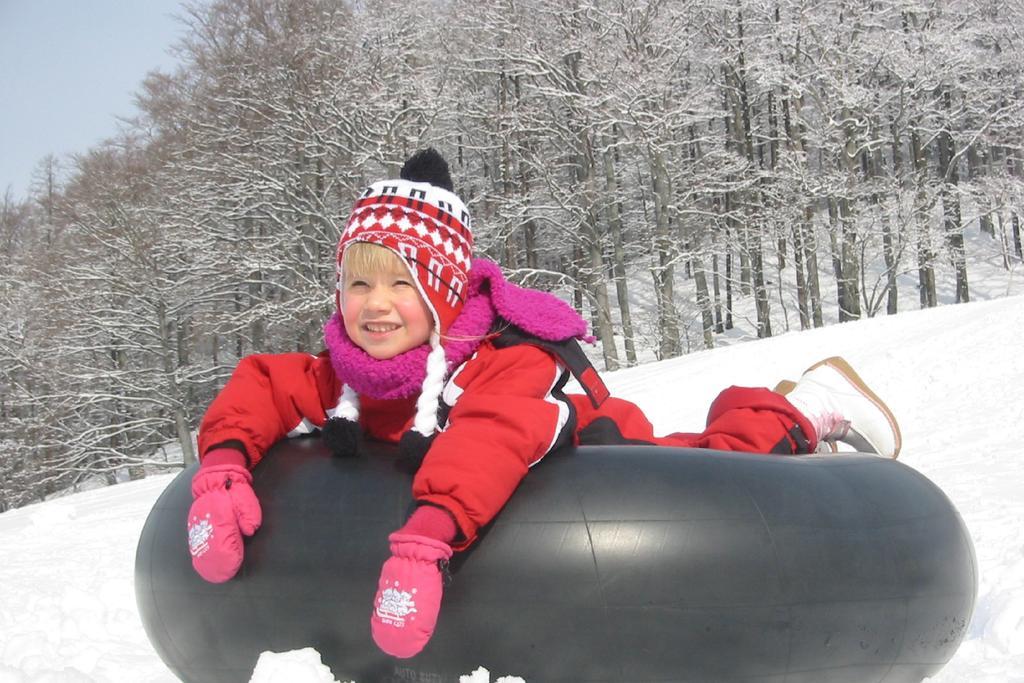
column 427, row 166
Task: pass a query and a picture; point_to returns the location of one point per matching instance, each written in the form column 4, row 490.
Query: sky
column 68, row 69
column 952, row 375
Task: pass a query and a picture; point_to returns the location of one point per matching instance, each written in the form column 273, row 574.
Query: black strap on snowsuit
column 568, row 352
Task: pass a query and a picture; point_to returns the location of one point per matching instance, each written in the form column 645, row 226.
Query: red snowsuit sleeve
column 504, row 420
column 268, row 397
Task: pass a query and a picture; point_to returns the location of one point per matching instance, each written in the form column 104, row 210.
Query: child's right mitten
column 224, row 508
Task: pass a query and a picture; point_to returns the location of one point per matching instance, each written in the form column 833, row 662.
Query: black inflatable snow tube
column 608, row 564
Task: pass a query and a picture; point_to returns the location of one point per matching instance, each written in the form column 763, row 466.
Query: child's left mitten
column 224, row 508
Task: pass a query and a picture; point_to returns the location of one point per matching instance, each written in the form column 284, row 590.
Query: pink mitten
column 225, row 507
column 408, row 594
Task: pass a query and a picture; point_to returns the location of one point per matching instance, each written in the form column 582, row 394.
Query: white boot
column 842, row 408
column 784, row 387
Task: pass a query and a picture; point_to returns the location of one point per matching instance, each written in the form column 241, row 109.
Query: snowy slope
column 953, row 375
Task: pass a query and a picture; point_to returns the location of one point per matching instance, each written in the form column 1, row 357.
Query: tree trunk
column 891, row 264
column 256, row 280
column 746, row 270
column 572, row 268
column 597, row 282
column 897, row 238
column 668, row 323
column 719, row 324
column 802, row 298
column 728, row 290
column 504, row 180
column 804, row 231
column 851, row 261
column 955, row 242
column 530, row 226
column 986, row 225
column 764, row 321
column 1015, row 222
column 171, row 353
column 619, row 256
column 925, row 269
column 735, row 239
column 837, row 259
column 849, row 308
column 704, row 301
column 239, row 337
column 926, row 274
column 782, row 299
column 773, row 158
column 810, row 242
column 188, row 453
column 740, row 127
column 605, row 331
column 954, row 232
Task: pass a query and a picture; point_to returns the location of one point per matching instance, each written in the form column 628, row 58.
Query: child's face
column 383, row 311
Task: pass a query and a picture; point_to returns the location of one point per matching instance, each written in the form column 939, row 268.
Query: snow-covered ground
column 953, row 375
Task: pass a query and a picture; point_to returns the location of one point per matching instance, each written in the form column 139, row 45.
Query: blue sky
column 68, row 69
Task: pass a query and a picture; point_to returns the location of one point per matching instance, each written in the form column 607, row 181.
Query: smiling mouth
column 380, row 328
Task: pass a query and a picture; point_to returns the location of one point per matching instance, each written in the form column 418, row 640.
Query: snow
column 297, row 665
column 953, row 375
column 482, row 675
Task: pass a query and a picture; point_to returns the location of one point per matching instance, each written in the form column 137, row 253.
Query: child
column 438, row 352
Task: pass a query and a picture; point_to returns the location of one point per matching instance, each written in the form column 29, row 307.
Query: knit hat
column 419, row 218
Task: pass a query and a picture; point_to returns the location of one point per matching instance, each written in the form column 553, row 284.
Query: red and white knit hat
column 429, row 228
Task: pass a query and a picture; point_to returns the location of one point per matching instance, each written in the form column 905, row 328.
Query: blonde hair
column 366, row 257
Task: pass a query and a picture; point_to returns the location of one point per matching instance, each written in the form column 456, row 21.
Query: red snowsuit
column 502, row 411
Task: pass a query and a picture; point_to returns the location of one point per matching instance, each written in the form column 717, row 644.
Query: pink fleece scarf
column 489, row 296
